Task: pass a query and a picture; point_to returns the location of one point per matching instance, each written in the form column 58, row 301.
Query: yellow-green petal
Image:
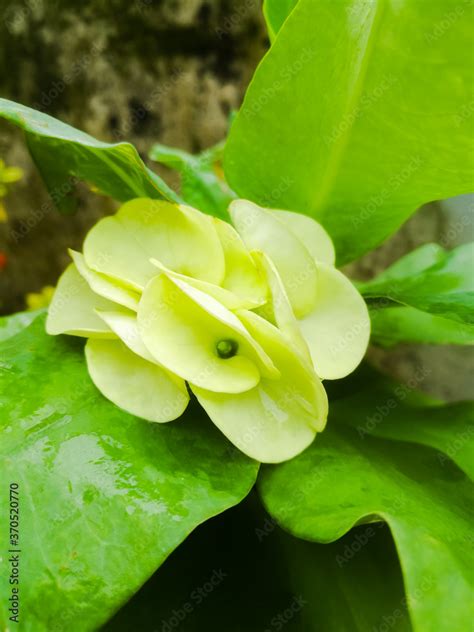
column 72, row 309
column 225, row 297
column 104, row 286
column 242, row 277
column 181, row 328
column 125, row 326
column 337, row 331
column 311, row 234
column 184, row 239
column 130, row 382
column 278, row 310
column 277, row 419
column 261, row 229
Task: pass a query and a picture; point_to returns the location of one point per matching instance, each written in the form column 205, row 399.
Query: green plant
column 358, row 114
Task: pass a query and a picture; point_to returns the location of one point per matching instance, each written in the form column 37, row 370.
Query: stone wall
column 142, row 71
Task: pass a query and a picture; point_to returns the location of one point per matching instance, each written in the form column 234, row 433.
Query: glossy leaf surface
column 240, row 572
column 359, row 113
column 104, row 497
column 64, row 155
column 349, row 476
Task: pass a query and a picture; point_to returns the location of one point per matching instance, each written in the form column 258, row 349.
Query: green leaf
column 349, row 476
column 351, row 585
column 359, row 113
column 13, row 324
column 104, row 497
column 394, row 325
column 431, row 280
column 276, row 12
column 397, row 411
column 64, row 154
column 201, row 185
column 280, row 582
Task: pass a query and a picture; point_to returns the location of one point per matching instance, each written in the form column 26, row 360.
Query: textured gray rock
column 143, row 71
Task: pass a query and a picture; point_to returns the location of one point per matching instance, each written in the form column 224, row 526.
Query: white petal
column 184, row 239
column 242, row 277
column 226, row 298
column 125, row 327
column 312, row 235
column 262, row 230
column 337, row 331
column 278, row 310
column 72, row 310
column 139, row 387
column 277, row 419
column 103, row 286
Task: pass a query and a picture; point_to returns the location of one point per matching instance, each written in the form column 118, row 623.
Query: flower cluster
column 251, row 317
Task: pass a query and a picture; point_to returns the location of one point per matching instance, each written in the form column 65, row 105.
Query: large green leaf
column 431, row 280
column 104, row 497
column 11, row 325
column 276, row 12
column 64, row 154
column 398, row 411
column 358, row 114
column 241, row 573
column 348, row 476
column 395, row 325
column 201, row 185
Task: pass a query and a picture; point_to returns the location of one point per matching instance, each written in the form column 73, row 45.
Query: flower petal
column 337, row 330
column 184, row 239
column 278, row 310
column 311, row 234
column 260, row 229
column 277, row 419
column 242, row 277
column 139, row 387
column 72, row 310
column 181, row 327
column 103, row 286
column 226, row 298
column 125, row 327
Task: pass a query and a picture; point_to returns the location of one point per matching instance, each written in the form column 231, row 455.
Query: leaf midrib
column 337, row 152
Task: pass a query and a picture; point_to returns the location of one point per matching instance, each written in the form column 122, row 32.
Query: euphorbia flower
column 250, row 319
